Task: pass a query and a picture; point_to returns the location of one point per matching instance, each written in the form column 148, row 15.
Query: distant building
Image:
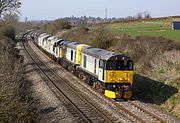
column 176, row 25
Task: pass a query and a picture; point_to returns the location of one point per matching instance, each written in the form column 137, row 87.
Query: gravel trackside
column 49, row 108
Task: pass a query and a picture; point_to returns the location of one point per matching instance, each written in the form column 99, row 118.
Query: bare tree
column 146, row 14
column 11, row 18
column 139, row 15
column 9, row 6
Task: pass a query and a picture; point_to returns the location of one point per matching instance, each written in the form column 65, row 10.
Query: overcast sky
column 53, row 9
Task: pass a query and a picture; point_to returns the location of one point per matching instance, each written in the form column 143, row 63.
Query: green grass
column 150, row 28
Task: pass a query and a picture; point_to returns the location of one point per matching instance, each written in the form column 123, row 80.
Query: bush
column 79, row 34
column 9, row 31
column 49, row 28
column 103, row 38
column 62, row 24
column 83, row 26
column 166, row 67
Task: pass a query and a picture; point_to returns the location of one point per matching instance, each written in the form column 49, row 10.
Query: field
column 146, row 27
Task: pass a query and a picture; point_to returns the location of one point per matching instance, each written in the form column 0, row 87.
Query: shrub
column 103, row 38
column 62, row 24
column 79, row 34
column 49, row 28
column 9, row 31
column 166, row 66
column 83, row 26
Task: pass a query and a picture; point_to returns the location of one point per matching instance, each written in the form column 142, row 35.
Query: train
column 110, row 73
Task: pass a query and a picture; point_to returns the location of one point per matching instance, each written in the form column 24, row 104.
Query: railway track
column 153, row 116
column 81, row 107
column 144, row 114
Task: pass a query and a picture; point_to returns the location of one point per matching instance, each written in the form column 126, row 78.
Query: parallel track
column 80, row 106
column 155, row 117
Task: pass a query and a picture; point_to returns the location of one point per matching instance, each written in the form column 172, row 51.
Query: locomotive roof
column 52, row 39
column 43, row 34
column 73, row 44
column 58, row 42
column 38, row 33
column 104, row 54
column 45, row 37
column 64, row 42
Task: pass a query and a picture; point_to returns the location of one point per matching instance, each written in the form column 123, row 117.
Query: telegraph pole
column 105, row 20
column 106, row 13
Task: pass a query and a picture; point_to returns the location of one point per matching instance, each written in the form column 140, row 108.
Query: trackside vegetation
column 15, row 104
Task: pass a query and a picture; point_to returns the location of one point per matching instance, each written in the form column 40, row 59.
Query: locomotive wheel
column 97, row 86
column 87, row 80
column 64, row 65
column 71, row 69
column 82, row 76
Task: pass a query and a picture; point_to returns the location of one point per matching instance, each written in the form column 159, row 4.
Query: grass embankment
column 14, row 104
column 146, row 27
column 157, row 63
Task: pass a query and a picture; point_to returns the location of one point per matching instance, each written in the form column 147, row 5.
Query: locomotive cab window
column 119, row 65
column 129, row 65
column 54, row 48
column 75, row 56
column 84, row 61
column 71, row 55
column 95, row 65
column 101, row 64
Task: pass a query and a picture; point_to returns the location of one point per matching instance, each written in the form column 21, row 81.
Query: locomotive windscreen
column 119, row 65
